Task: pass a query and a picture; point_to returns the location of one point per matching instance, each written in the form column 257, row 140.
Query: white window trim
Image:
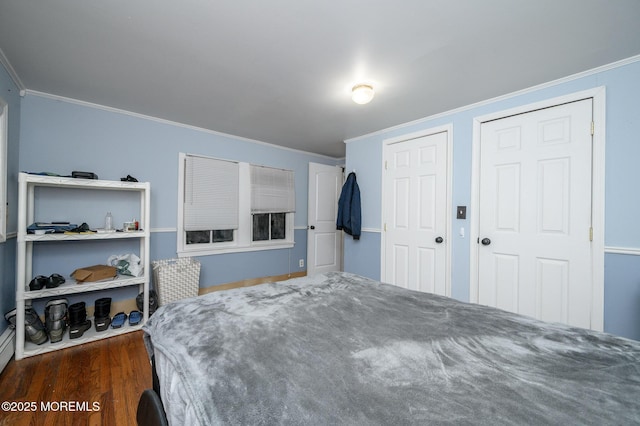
column 4, row 132
column 242, row 236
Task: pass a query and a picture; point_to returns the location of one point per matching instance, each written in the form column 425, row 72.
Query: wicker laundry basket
column 176, row 279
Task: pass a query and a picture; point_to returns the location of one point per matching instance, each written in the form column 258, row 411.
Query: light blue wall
column 10, row 94
column 622, row 294
column 622, row 180
column 61, row 136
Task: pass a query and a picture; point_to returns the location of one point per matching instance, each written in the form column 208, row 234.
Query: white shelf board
column 83, row 237
column 91, row 335
column 58, row 181
column 71, row 286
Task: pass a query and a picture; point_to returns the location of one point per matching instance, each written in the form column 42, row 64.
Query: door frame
column 448, row 128
column 598, row 96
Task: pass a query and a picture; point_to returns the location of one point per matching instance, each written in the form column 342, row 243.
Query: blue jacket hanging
column 349, row 215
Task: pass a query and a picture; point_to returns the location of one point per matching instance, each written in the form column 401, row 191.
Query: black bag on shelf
column 84, row 175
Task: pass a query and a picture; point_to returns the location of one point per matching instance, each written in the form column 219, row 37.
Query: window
column 228, row 206
column 269, row 226
column 209, row 236
column 210, row 204
column 272, row 197
column 4, row 129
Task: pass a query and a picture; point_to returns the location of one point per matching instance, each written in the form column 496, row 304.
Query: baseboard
column 128, row 305
column 251, row 282
column 7, row 347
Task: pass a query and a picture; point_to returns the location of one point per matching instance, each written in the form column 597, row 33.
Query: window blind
column 272, row 190
column 210, row 194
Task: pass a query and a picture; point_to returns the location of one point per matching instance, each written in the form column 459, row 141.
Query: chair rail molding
column 634, row 251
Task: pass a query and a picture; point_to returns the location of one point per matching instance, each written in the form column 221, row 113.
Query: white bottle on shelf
column 108, row 222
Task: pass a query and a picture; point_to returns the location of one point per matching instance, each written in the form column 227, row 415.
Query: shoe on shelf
column 78, row 322
column 153, row 302
column 11, row 318
column 34, row 330
column 38, row 283
column 33, row 327
column 55, row 318
column 54, row 280
column 135, row 317
column 101, row 314
column 118, row 320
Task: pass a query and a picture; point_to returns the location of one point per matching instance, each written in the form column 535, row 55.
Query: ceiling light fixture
column 362, row 93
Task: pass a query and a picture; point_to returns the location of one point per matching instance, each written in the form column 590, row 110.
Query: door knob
column 312, row 227
column 439, row 240
column 485, row 241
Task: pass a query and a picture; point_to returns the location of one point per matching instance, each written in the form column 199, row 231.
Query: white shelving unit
column 25, row 244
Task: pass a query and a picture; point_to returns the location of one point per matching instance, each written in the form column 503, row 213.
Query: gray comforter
column 342, row 349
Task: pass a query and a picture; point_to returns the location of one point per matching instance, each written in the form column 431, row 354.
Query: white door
column 415, row 213
column 324, row 241
column 534, row 249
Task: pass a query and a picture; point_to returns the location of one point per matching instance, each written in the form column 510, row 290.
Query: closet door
column 534, row 245
column 415, row 213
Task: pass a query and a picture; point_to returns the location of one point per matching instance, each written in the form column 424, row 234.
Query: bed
column 338, row 348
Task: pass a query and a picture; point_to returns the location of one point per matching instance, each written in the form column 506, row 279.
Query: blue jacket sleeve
column 356, row 214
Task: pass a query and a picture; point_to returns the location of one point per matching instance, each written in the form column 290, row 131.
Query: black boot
column 55, row 315
column 78, row 322
column 101, row 315
column 34, row 330
column 153, row 302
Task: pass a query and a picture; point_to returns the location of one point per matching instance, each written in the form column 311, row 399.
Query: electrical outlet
column 301, row 263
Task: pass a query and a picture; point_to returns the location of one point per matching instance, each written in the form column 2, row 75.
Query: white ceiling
column 280, row 71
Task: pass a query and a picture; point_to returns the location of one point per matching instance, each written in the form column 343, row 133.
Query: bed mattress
column 338, row 348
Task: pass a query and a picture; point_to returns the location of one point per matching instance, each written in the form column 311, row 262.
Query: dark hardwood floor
column 97, row 383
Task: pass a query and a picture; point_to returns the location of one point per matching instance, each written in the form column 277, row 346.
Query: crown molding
column 12, row 72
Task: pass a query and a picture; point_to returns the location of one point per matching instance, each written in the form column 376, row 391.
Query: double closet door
column 535, row 203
